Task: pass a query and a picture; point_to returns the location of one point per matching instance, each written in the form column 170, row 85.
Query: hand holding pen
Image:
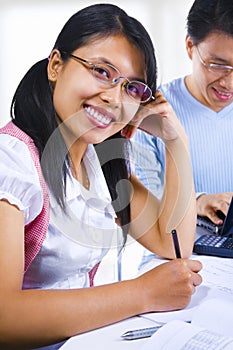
column 149, row 331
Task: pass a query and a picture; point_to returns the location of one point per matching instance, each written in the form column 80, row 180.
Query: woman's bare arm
column 153, row 220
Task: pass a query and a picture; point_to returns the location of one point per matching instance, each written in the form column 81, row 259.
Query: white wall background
column 28, row 30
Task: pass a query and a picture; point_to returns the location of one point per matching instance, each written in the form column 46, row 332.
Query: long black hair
column 207, row 16
column 32, row 107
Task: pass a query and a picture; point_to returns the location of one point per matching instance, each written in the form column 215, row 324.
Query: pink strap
column 92, row 274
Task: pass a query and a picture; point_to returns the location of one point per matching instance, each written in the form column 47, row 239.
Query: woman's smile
column 99, row 117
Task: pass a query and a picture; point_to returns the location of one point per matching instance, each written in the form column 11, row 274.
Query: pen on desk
column 140, row 333
column 176, row 243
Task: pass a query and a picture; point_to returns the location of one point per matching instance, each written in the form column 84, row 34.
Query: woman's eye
column 132, row 89
column 102, row 72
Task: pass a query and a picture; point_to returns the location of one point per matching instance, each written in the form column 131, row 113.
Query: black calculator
column 210, row 244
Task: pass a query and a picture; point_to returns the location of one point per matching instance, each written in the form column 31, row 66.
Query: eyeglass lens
column 219, row 69
column 110, row 75
column 216, row 68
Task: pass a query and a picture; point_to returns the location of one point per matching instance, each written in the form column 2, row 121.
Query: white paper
column 211, row 328
column 178, row 335
column 216, row 315
column 217, row 275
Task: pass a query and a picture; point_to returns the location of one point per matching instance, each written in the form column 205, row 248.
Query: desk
column 109, row 337
column 217, row 276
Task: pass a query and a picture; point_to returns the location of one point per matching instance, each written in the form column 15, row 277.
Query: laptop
column 215, row 240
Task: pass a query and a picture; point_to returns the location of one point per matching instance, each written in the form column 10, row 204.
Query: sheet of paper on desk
column 178, row 335
column 215, row 314
column 205, row 332
column 217, row 274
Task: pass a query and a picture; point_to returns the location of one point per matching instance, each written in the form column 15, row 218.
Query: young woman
column 66, row 186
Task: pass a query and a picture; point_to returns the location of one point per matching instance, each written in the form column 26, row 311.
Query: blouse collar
column 98, row 194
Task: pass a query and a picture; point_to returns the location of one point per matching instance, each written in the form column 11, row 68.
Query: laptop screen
column 227, row 228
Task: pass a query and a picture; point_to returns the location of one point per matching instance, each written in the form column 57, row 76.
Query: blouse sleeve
column 19, row 181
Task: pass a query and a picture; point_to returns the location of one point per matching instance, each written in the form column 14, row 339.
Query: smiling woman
column 105, row 82
column 66, row 185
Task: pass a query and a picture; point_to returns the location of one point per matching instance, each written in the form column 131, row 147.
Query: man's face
column 211, row 83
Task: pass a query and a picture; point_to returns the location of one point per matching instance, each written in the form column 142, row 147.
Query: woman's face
column 91, row 110
column 213, row 89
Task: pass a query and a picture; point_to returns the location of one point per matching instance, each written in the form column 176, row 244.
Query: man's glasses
column 218, row 69
column 109, row 75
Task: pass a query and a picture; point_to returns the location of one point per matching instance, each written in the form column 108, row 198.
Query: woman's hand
column 170, row 285
column 156, row 118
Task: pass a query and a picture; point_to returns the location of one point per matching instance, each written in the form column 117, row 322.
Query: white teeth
column 96, row 115
column 224, row 93
column 102, row 119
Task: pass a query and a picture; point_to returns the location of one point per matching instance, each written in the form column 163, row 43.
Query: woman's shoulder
column 15, row 152
column 18, row 176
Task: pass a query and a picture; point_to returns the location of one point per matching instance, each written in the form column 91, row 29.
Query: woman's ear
column 189, row 46
column 54, row 65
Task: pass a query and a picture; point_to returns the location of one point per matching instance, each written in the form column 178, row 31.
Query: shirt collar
column 98, row 194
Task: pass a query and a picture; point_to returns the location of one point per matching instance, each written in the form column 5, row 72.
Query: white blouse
column 75, row 241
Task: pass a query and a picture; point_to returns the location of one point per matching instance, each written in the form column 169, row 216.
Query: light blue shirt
column 210, row 137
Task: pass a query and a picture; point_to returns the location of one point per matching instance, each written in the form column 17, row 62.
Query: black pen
column 140, row 333
column 176, row 243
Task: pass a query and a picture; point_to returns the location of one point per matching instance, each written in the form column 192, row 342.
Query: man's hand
column 209, row 204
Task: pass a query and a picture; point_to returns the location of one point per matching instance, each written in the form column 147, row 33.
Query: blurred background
column 28, row 30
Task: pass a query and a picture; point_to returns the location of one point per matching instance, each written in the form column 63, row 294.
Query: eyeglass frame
column 116, row 80
column 210, row 66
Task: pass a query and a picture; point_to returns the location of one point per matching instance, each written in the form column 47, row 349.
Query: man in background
column 203, row 101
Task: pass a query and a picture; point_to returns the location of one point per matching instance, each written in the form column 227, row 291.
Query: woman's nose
column 113, row 94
